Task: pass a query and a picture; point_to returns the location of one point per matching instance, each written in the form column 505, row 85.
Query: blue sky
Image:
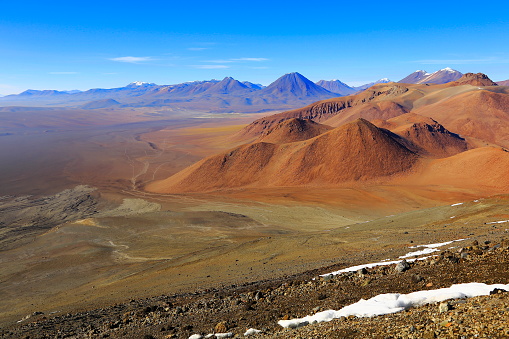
column 68, row 45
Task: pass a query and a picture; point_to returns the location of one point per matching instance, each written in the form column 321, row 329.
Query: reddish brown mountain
column 325, row 109
column 482, row 169
column 503, row 83
column 425, row 136
column 293, row 130
column 478, row 79
column 369, row 111
column 479, row 114
column 352, row 152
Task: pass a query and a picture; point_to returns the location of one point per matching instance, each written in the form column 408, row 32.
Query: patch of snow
column 138, row 83
column 196, row 336
column 453, row 217
column 251, row 331
column 497, row 222
column 448, row 69
column 224, row 335
column 421, row 252
column 460, row 203
column 394, row 302
column 429, row 248
column 437, row 244
column 358, row 267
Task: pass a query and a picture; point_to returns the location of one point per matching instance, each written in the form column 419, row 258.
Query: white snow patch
column 224, row 335
column 421, row 252
column 138, row 83
column 453, row 217
column 196, row 336
column 394, row 302
column 429, row 248
column 251, row 331
column 437, row 244
column 358, row 267
column 460, row 203
column 497, row 222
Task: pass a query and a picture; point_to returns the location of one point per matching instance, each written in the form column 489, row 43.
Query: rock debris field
column 253, row 310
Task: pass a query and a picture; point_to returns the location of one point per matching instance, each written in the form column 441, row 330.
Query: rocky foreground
column 230, row 311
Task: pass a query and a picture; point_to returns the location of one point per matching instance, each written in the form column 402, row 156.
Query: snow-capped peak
column 448, row 69
column 384, row 80
column 138, row 83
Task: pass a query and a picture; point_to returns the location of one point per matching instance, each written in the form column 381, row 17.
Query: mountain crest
column 479, row 79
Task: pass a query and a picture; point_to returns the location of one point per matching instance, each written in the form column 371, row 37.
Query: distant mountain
column 253, row 86
column 336, row 86
column 442, row 76
column 503, row 83
column 295, row 85
column 366, row 86
column 415, row 77
column 105, row 103
column 228, row 86
column 38, row 93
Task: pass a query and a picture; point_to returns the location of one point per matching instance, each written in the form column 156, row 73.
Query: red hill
column 473, row 79
column 425, row 135
column 293, row 130
column 353, row 152
column 479, row 114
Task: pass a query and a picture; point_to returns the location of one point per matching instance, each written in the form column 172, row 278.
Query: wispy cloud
column 220, row 61
column 197, row 48
column 258, row 67
column 250, row 59
column 491, row 60
column 63, row 73
column 132, row 60
column 210, row 66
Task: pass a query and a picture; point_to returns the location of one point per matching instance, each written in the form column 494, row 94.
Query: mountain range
column 392, row 132
column 290, row 91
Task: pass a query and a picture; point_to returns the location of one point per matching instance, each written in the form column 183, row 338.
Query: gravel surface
column 260, row 305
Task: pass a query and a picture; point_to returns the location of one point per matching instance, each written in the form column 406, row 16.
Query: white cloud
column 131, row 59
column 210, row 66
column 250, row 59
column 219, row 61
column 63, row 73
column 197, row 48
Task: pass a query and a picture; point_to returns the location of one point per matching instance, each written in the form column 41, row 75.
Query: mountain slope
column 366, row 86
column 442, row 76
column 336, row 86
column 293, row 130
column 479, row 114
column 415, row 77
column 503, row 83
column 353, row 152
column 227, row 86
column 425, row 135
column 294, row 85
column 322, row 110
column 478, row 79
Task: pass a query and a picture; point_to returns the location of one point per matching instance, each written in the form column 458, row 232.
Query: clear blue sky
column 68, row 45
